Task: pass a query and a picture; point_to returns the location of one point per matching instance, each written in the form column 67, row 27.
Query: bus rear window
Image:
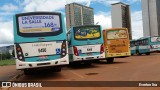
column 155, row 39
column 83, row 33
column 39, row 25
column 117, row 34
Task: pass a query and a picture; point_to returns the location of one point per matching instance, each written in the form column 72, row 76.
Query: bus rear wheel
column 110, row 60
column 137, row 52
column 56, row 69
column 147, row 53
column 88, row 63
column 28, row 72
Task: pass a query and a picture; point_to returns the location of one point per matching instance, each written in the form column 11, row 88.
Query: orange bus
column 116, row 43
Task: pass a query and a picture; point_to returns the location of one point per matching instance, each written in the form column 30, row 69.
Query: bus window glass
column 83, row 33
column 117, row 34
column 155, row 39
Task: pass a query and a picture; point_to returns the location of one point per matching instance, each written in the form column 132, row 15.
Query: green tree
column 13, row 53
column 8, row 55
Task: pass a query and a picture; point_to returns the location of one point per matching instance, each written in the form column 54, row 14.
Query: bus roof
column 113, row 28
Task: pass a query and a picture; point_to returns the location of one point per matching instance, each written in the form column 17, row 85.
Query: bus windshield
column 83, row 33
column 117, row 34
column 155, row 39
column 39, row 24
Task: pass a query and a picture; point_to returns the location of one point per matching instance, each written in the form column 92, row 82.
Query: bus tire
column 96, row 61
column 27, row 72
column 147, row 53
column 137, row 52
column 56, row 69
column 110, row 60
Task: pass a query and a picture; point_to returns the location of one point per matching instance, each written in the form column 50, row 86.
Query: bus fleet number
column 40, row 50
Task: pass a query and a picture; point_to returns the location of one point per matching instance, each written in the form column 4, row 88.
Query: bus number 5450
column 40, row 50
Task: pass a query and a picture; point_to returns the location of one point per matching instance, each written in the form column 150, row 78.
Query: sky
column 102, row 13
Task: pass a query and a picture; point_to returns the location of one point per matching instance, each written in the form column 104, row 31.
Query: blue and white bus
column 85, row 44
column 133, row 47
column 145, row 45
column 40, row 41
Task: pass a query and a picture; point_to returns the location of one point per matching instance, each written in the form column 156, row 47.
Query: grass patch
column 7, row 62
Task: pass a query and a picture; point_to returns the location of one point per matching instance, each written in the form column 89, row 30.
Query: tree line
column 6, row 56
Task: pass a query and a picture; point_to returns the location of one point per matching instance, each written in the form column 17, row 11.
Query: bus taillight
column 75, row 51
column 151, row 47
column 102, row 49
column 63, row 49
column 19, row 53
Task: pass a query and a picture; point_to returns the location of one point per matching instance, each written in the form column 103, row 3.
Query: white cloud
column 103, row 19
column 9, row 7
column 6, row 32
column 48, row 5
column 6, row 13
column 109, row 2
column 106, row 2
column 137, row 27
column 133, row 1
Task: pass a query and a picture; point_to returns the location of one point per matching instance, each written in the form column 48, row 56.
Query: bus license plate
column 89, row 54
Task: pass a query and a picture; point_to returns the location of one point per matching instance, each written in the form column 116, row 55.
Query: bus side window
column 138, row 43
column 143, row 43
column 146, row 42
column 135, row 43
column 131, row 44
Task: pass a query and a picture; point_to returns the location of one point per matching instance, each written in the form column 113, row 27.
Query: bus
column 116, row 43
column 133, row 47
column 40, row 41
column 146, row 45
column 85, row 44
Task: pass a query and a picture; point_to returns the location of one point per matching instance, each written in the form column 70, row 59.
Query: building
column 77, row 15
column 121, row 16
column 151, row 17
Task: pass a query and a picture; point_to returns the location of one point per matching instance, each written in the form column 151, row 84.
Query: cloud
column 48, row 5
column 106, row 2
column 137, row 27
column 109, row 2
column 133, row 1
column 6, row 32
column 9, row 7
column 6, row 13
column 103, row 19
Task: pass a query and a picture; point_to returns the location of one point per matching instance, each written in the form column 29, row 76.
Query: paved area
column 8, row 72
column 135, row 68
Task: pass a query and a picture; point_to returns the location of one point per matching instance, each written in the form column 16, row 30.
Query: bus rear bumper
column 155, row 50
column 83, row 58
column 20, row 65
